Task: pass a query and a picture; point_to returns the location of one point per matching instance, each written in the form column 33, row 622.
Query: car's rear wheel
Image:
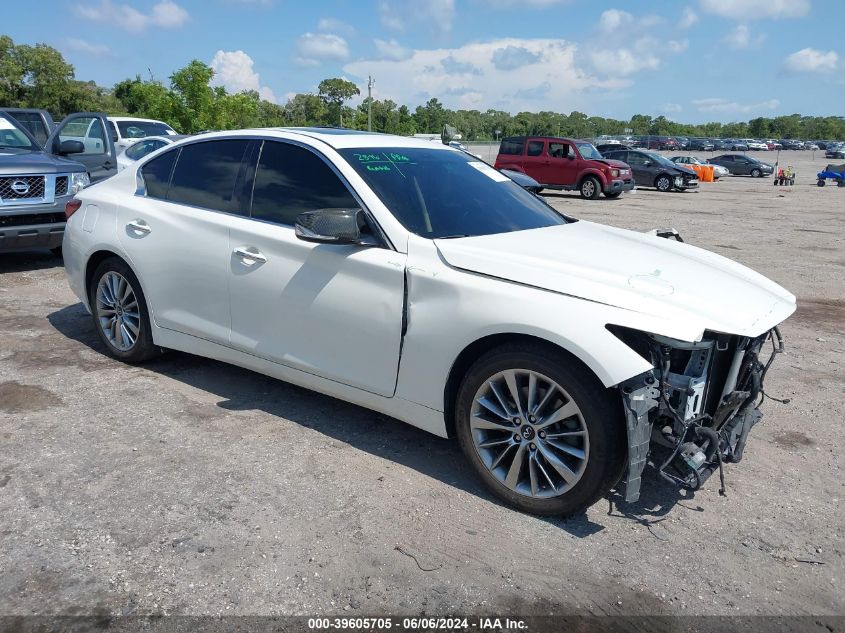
column 663, row 183
column 543, row 436
column 756, row 173
column 590, row 188
column 120, row 312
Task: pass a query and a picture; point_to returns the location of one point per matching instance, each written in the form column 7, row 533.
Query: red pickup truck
column 562, row 163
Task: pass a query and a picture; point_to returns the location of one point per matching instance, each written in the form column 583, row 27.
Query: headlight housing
column 78, row 182
column 614, row 173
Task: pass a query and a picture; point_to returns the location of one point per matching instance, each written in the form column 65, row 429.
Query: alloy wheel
column 529, row 433
column 588, row 188
column 118, row 311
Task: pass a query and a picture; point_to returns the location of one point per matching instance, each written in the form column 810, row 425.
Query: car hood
column 611, row 162
column 14, row 163
column 632, row 271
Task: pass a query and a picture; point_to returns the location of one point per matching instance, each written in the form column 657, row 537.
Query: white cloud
column 810, row 60
column 614, row 19
column 725, row 106
column 672, row 108
column 164, row 14
column 688, row 18
column 553, row 81
column 335, row 26
column 621, row 62
column 316, row 48
column 740, row 38
column 756, row 9
column 437, row 14
column 234, row 70
column 391, row 49
column 677, row 46
column 86, row 47
column 534, row 4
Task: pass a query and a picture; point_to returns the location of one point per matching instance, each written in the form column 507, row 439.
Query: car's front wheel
column 756, row 173
column 543, row 435
column 120, row 312
column 590, row 188
column 663, row 183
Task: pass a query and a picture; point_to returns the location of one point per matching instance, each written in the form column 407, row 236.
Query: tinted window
column 156, row 174
column 140, row 129
column 535, row 148
column 33, row 122
column 512, row 146
column 206, row 173
column 440, row 194
column 290, row 179
column 635, row 158
column 558, row 150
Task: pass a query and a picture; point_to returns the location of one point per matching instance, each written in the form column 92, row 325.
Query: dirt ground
column 188, row 486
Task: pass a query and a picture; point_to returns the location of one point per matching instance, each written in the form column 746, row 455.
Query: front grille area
column 22, row 187
column 61, row 185
column 7, row 221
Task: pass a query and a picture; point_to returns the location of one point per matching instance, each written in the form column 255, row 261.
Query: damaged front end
column 696, row 406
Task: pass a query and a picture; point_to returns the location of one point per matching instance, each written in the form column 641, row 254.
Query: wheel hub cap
column 529, row 433
column 117, row 311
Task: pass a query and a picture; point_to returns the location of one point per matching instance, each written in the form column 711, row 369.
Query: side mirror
column 334, row 226
column 71, row 147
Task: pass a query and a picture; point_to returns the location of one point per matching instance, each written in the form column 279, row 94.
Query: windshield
column 140, row 129
column 659, row 159
column 436, row 193
column 12, row 135
column 588, row 151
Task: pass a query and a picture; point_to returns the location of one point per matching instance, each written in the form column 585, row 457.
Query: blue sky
column 691, row 60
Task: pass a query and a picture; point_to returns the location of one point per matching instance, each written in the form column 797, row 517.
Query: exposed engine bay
column 697, row 406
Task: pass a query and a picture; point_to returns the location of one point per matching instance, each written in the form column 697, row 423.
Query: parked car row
column 672, row 143
column 43, row 163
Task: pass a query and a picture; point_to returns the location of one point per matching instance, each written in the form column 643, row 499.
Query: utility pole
column 370, row 82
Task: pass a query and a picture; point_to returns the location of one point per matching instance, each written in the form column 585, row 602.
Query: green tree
column 335, row 92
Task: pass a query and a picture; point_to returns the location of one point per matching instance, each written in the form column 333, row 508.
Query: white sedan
column 718, row 170
column 138, row 150
column 418, row 281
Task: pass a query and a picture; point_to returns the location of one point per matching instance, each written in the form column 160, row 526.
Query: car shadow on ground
column 244, row 390
column 18, row 262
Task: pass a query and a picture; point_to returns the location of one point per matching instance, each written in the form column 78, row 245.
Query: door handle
column 139, row 226
column 250, row 256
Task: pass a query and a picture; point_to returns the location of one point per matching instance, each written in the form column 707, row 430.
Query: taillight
column 71, row 207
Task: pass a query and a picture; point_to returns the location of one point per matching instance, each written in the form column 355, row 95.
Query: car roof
column 338, row 138
column 135, row 118
column 545, row 138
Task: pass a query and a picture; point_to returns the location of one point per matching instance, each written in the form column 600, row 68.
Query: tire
column 663, row 183
column 110, row 280
column 590, row 188
column 595, row 429
column 821, row 182
column 756, row 173
column 57, row 251
column 613, row 195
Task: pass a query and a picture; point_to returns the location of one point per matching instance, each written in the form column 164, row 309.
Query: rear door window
column 206, row 173
column 156, row 174
column 535, row 148
column 512, row 147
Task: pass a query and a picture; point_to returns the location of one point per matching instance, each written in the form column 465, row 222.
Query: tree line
column 39, row 77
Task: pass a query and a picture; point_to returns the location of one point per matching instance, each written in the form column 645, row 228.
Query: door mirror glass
column 334, row 226
column 71, row 147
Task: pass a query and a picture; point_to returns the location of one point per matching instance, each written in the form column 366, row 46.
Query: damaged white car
column 416, row 280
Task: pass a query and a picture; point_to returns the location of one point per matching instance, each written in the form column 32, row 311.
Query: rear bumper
column 618, row 186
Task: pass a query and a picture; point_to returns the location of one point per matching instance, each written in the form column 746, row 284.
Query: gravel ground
column 188, row 486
